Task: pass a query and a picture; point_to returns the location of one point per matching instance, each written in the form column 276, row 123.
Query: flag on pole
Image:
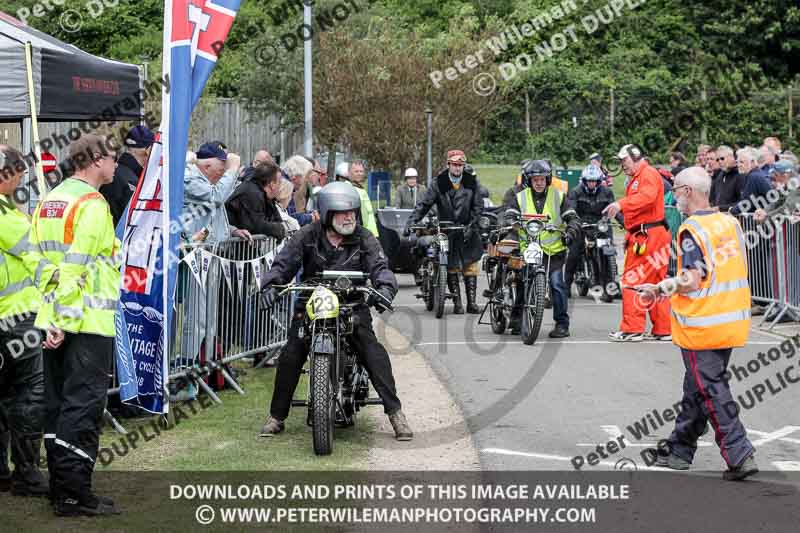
column 194, row 34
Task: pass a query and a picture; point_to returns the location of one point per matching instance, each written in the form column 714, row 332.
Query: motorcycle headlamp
column 533, row 227
column 603, row 226
column 484, row 222
column 343, row 284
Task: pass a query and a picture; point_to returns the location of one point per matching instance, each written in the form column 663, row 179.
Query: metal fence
column 218, row 316
column 773, row 258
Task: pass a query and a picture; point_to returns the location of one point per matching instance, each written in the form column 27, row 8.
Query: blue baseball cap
column 212, row 151
column 139, row 137
column 782, row 166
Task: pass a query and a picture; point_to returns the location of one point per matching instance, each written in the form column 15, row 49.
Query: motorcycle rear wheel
column 496, row 315
column 427, row 288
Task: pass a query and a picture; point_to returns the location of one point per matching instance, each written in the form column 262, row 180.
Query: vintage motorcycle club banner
column 239, row 278
column 194, row 33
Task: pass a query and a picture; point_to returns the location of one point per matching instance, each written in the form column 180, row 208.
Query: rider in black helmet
column 335, row 242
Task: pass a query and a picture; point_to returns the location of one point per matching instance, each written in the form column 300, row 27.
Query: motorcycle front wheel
column 532, row 314
column 439, row 281
column 322, row 405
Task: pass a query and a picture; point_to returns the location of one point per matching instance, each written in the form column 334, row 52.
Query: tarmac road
column 538, row 407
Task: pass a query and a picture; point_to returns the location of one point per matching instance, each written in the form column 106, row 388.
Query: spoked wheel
column 496, row 315
column 586, row 279
column 427, row 287
column 611, row 271
column 323, row 406
column 534, row 308
column 439, row 287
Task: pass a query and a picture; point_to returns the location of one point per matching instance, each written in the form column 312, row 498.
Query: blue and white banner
column 194, row 33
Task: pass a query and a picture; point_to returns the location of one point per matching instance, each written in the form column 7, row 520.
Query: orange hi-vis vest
column 717, row 314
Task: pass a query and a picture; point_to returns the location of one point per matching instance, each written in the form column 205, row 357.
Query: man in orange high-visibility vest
column 647, row 244
column 710, row 300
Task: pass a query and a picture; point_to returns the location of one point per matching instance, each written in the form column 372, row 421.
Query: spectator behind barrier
column 298, row 170
column 787, row 189
column 262, row 156
column 677, row 162
column 138, row 143
column 284, row 197
column 727, row 189
column 206, row 187
column 756, row 181
column 252, row 205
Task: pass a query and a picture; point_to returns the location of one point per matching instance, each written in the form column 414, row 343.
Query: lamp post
column 309, row 131
column 429, row 113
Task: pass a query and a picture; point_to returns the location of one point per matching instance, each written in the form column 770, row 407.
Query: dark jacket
column 249, row 208
column 756, row 186
column 461, row 206
column 727, row 189
column 118, row 193
column 510, row 197
column 589, row 206
column 310, row 249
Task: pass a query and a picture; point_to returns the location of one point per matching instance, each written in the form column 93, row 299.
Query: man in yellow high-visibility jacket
column 355, row 173
column 24, row 275
column 710, row 301
column 74, row 228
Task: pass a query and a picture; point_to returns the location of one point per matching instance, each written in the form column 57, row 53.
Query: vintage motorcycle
column 598, row 267
column 517, row 279
column 433, row 241
column 338, row 382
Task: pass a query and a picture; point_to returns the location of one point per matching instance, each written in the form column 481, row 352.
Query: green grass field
column 217, row 438
column 498, row 178
column 225, row 437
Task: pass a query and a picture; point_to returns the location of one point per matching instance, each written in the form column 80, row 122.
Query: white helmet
column 411, row 173
column 343, row 169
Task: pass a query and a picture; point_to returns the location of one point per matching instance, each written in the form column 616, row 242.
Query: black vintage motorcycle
column 597, row 270
column 517, row 280
column 433, row 241
column 338, row 382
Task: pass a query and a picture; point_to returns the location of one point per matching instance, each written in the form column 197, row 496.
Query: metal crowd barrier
column 218, row 318
column 773, row 253
column 222, row 320
column 773, row 264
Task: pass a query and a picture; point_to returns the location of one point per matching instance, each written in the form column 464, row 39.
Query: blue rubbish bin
column 379, row 188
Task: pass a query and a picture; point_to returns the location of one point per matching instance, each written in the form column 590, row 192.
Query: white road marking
column 775, row 435
column 549, row 457
column 500, row 340
column 791, row 466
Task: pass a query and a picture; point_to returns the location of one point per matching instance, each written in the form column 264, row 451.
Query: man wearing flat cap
column 456, row 195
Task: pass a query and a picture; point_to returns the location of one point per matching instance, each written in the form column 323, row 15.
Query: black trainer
column 559, row 332
column 90, row 506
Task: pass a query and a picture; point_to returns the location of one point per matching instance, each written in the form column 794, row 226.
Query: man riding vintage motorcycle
column 588, row 200
column 335, row 242
column 455, row 193
column 538, row 197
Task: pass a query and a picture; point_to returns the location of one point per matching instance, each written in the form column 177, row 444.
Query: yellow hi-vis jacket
column 717, row 315
column 551, row 241
column 367, row 213
column 74, row 229
column 24, row 271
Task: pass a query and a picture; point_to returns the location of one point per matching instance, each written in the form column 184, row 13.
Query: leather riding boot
column 471, row 288
column 27, row 479
column 455, row 289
